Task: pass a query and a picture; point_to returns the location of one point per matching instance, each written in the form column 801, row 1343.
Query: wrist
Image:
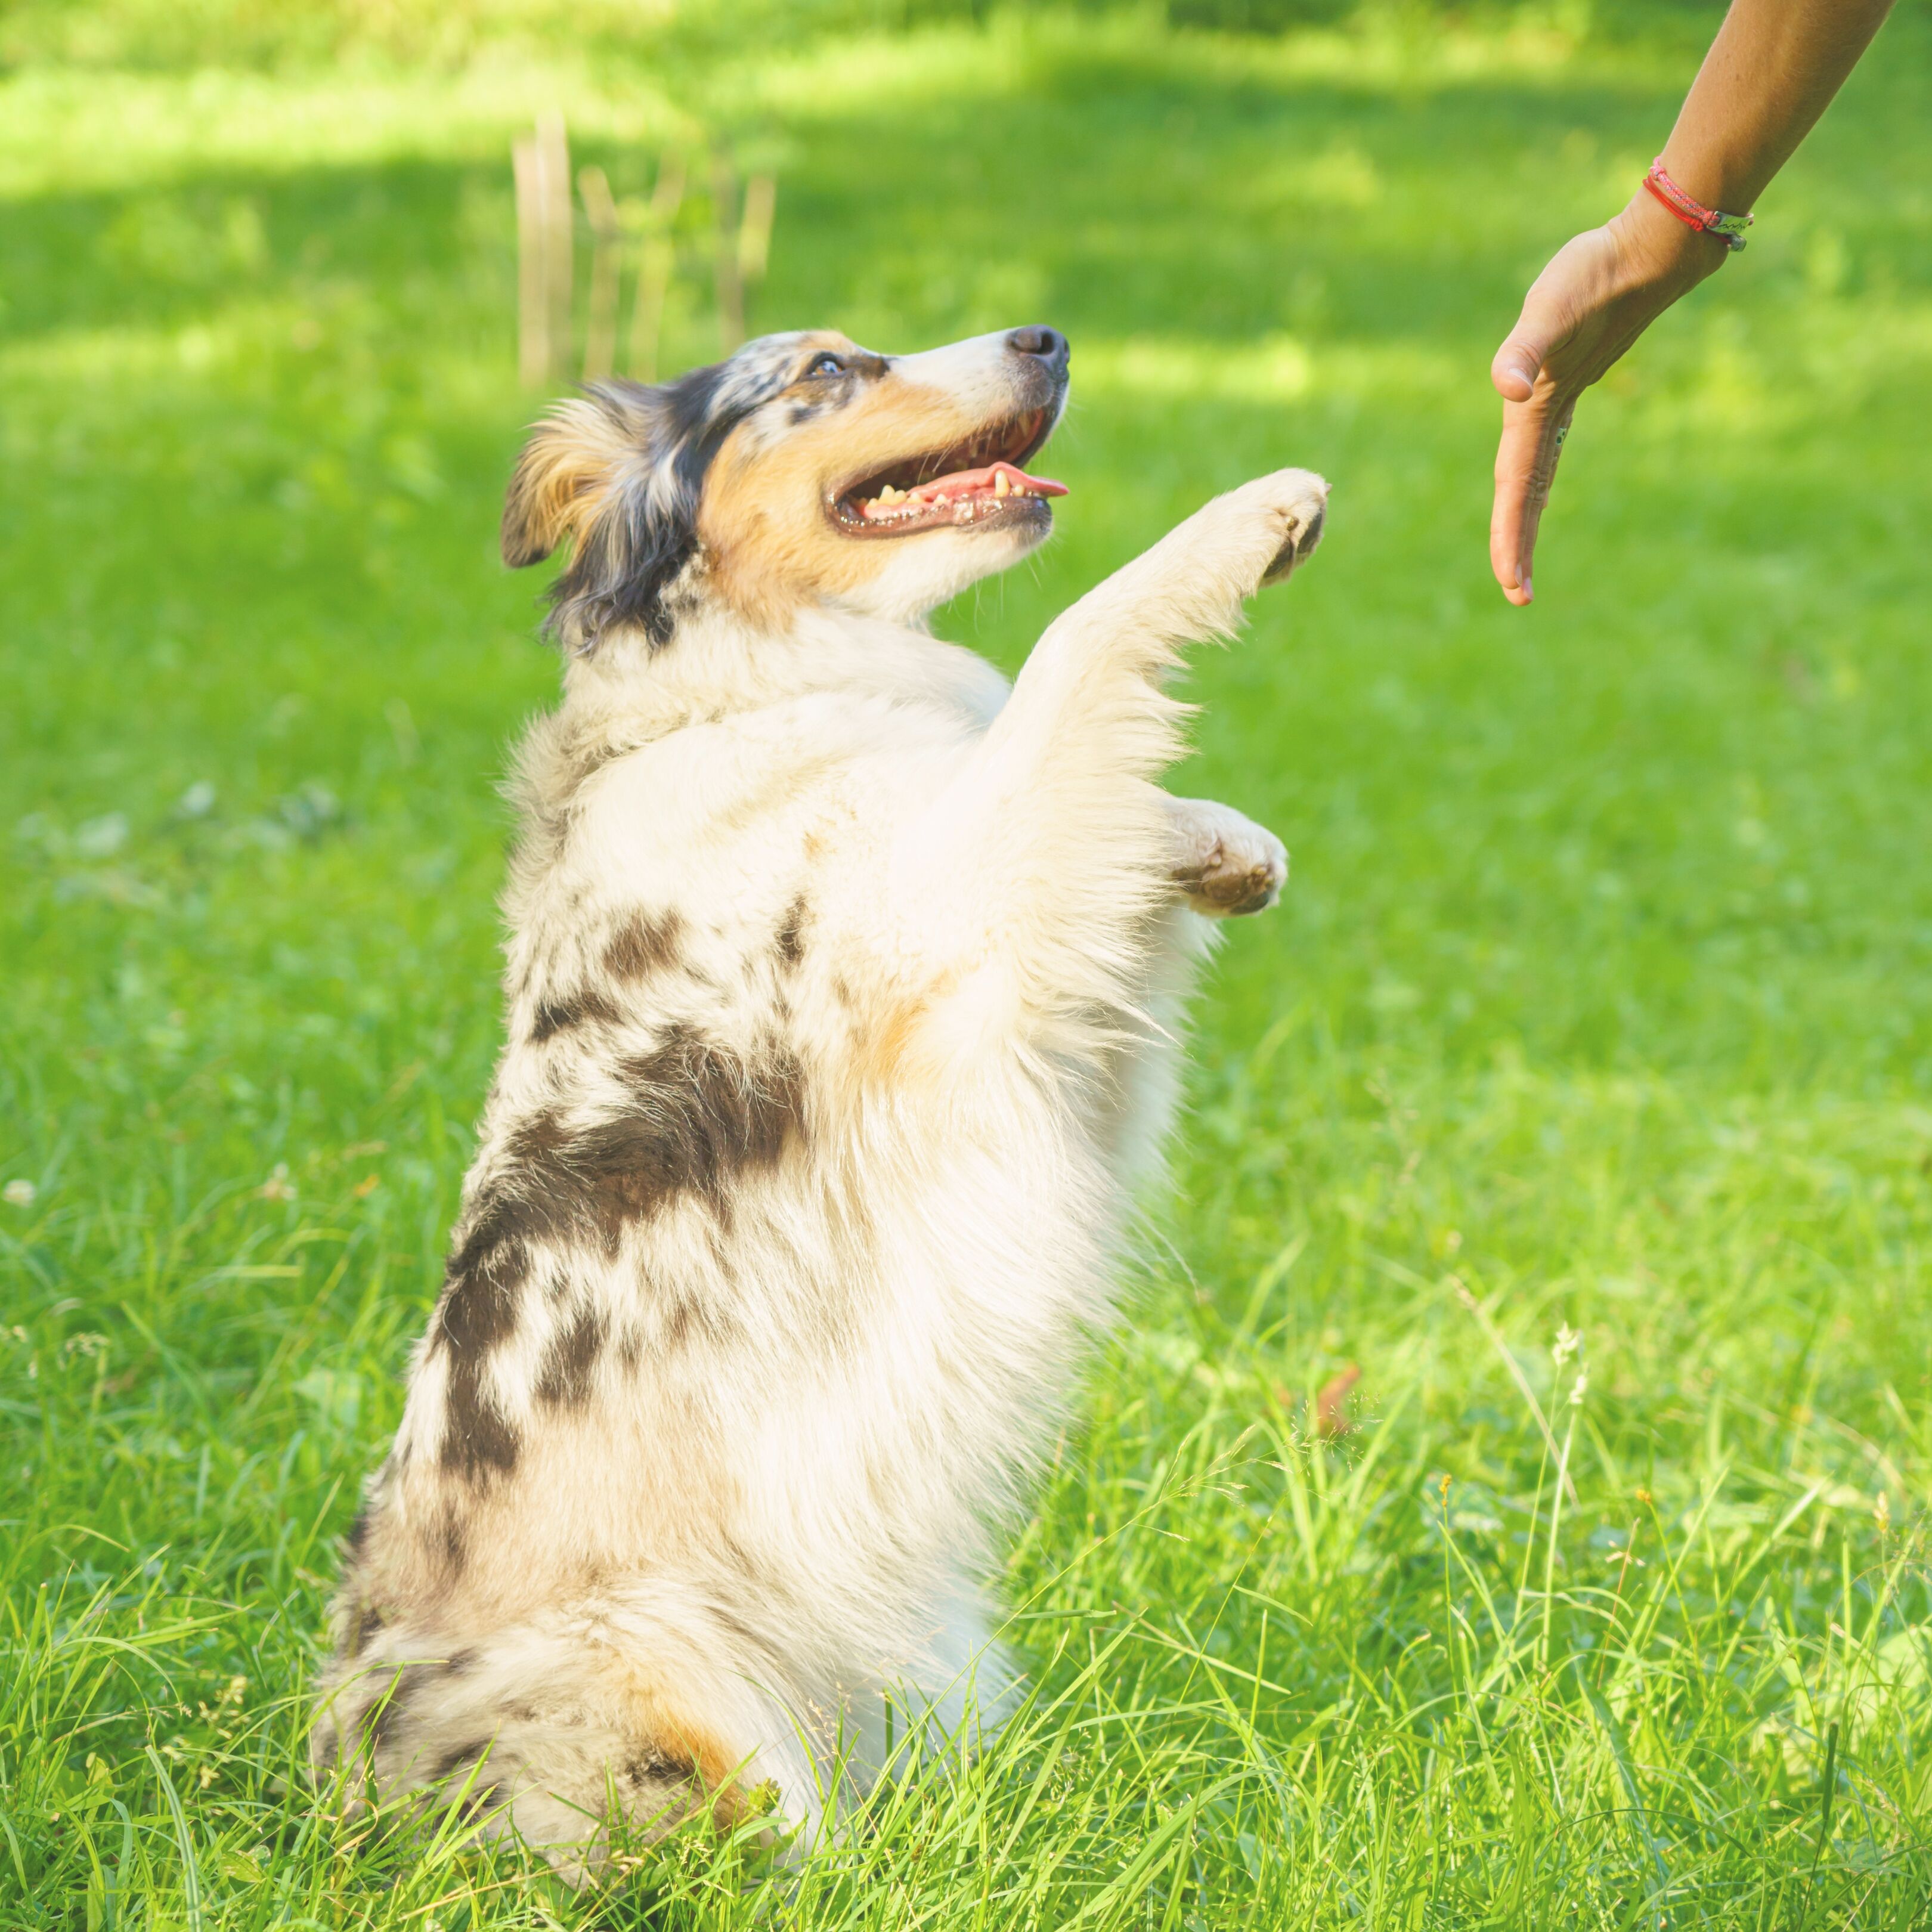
column 1655, row 246
column 1712, row 174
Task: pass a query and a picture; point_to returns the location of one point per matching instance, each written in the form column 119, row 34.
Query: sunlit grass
column 1578, row 1095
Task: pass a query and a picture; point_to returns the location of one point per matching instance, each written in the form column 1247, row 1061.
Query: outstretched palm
column 1600, row 292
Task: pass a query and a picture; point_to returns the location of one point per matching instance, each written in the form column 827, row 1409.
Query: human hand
column 1600, row 292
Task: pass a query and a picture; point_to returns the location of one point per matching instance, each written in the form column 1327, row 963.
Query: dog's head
column 801, row 470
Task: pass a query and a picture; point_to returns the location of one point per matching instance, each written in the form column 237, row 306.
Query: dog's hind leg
column 619, row 1713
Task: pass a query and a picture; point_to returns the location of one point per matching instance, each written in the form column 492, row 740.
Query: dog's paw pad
column 1233, row 879
column 1300, row 546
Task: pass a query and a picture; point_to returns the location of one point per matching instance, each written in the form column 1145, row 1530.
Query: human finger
column 1527, row 454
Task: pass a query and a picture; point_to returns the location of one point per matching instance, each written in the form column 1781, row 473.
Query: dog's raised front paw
column 1296, row 503
column 1227, row 865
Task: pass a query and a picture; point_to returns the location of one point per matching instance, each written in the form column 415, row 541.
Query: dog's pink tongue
column 986, row 483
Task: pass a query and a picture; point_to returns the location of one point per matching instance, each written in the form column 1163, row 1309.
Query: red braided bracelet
column 1729, row 229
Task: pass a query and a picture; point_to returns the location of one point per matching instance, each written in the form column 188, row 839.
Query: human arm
column 1772, row 71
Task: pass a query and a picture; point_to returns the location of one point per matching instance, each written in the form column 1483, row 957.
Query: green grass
column 1600, row 1003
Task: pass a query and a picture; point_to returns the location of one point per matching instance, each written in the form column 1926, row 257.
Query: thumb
column 1544, row 325
column 1519, row 362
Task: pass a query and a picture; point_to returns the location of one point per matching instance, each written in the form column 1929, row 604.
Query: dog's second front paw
column 1227, row 864
column 1232, row 883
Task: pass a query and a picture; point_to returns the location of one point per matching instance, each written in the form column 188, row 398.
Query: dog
column 844, row 986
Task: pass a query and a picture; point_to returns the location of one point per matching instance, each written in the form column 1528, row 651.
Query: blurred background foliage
column 171, row 35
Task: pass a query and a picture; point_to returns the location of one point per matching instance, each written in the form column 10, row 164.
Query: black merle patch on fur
column 587, row 761
column 569, row 1374
column 576, row 1009
column 706, row 1115
column 642, row 945
column 361, row 1627
column 479, row 1440
column 479, row 1313
column 464, row 1756
column 380, row 1719
column 697, row 1115
column 680, row 1315
column 789, row 943
column 654, row 1767
column 481, row 1800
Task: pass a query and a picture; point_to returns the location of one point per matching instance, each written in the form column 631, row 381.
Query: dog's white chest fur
column 842, row 987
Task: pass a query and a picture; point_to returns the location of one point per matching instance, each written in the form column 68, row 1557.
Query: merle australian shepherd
column 843, row 987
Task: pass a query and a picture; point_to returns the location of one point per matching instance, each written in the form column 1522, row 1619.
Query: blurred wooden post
column 532, row 303
column 554, row 191
column 600, row 334
column 658, row 258
column 730, row 283
column 755, row 232
column 546, row 255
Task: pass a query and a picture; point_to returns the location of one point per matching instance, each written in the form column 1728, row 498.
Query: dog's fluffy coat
column 842, row 989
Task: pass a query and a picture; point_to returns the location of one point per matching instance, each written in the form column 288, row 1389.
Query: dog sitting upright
column 843, row 984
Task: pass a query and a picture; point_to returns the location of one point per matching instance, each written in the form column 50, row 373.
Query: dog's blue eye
column 826, row 365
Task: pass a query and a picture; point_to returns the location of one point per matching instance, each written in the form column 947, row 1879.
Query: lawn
column 1580, row 1093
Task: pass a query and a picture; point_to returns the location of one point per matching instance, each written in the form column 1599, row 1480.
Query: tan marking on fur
column 785, row 782
column 563, row 480
column 764, row 522
column 666, row 1728
column 889, row 1050
column 886, row 1049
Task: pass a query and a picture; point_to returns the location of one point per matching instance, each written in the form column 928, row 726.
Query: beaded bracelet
column 1729, row 229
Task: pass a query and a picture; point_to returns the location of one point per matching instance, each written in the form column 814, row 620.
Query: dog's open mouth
column 978, row 484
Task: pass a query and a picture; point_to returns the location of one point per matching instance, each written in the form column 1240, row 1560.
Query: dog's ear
column 617, row 472
column 620, row 471
column 563, row 479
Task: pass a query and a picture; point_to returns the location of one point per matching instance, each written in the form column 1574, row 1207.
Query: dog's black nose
column 1048, row 344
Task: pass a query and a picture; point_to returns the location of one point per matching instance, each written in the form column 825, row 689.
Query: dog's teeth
column 1000, row 486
